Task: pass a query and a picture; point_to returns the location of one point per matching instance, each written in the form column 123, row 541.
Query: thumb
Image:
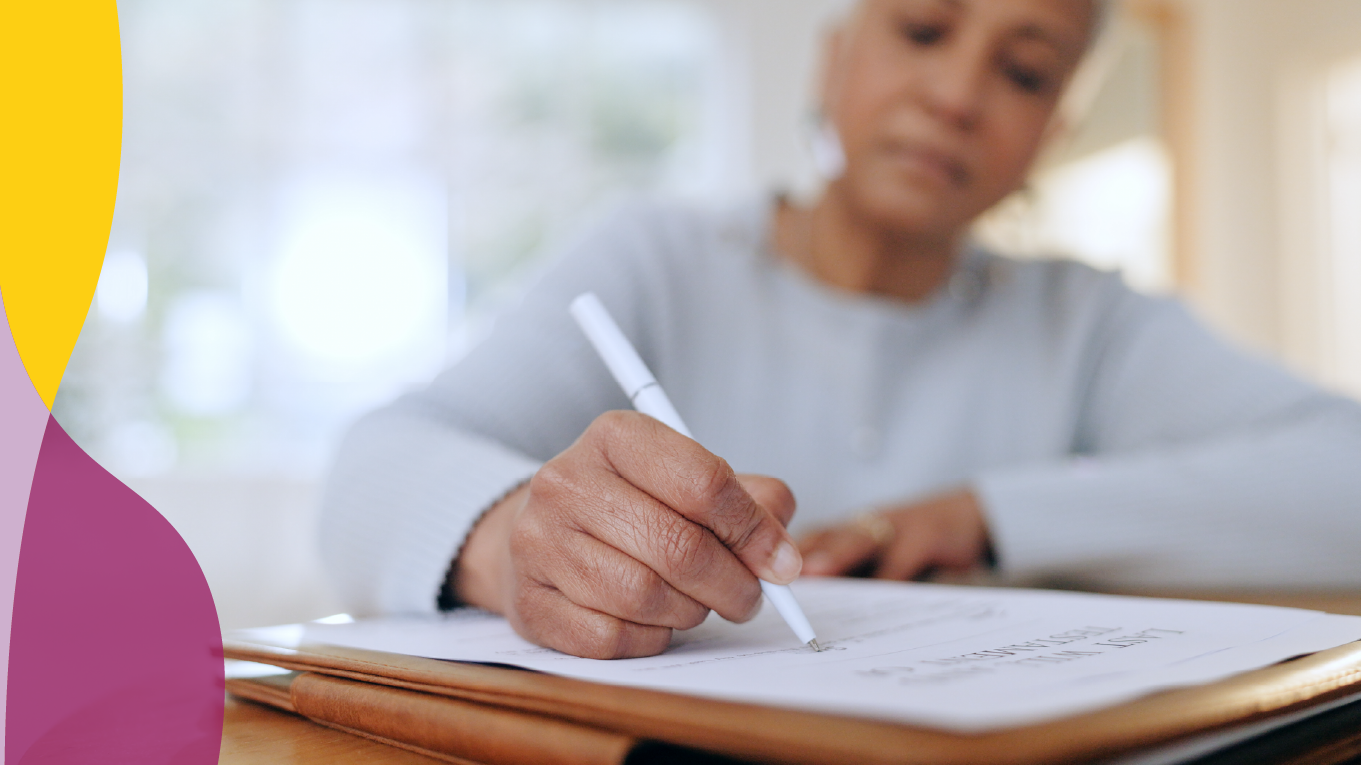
column 750, row 528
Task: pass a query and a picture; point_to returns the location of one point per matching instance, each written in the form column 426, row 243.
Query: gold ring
column 878, row 528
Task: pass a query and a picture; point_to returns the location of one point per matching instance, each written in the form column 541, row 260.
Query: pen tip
column 814, row 645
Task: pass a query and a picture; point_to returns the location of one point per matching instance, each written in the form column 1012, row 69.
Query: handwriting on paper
column 964, row 658
column 1033, row 653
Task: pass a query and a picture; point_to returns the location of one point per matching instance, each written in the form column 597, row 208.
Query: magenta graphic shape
column 115, row 652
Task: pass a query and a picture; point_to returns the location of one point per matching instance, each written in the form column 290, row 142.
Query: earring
column 829, row 156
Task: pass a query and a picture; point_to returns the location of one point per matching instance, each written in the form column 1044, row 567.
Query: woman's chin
column 911, row 211
column 907, row 202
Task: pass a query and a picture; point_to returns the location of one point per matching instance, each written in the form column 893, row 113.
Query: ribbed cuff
column 448, row 599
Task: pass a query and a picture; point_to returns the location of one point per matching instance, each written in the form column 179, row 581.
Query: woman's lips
column 939, row 165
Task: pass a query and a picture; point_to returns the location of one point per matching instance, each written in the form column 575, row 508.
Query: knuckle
column 525, row 613
column 611, row 426
column 552, row 481
column 646, row 597
column 521, row 541
column 524, row 532
column 604, row 638
column 684, row 548
column 712, row 480
column 526, row 538
column 743, row 527
column 748, row 602
column 691, row 615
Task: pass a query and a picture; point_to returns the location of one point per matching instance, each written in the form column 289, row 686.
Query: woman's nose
column 954, row 89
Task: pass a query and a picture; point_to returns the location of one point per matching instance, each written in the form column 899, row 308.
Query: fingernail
column 786, row 564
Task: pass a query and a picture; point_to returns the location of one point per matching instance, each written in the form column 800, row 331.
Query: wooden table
column 257, row 735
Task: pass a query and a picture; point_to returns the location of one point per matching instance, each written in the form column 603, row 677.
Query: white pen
column 649, row 398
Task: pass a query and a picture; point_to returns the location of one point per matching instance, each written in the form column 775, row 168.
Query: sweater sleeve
column 1196, row 465
column 410, row 480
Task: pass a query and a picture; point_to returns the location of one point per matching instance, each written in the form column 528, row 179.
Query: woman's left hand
column 946, row 532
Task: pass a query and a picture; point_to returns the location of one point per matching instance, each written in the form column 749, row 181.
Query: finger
column 772, row 494
column 545, row 616
column 682, row 475
column 683, row 554
column 811, row 541
column 909, row 555
column 838, row 551
column 601, row 578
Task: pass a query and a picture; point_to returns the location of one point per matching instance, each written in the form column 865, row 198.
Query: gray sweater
column 1111, row 438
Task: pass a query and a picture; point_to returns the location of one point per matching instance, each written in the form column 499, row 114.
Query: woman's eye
column 1026, row 79
column 924, row 34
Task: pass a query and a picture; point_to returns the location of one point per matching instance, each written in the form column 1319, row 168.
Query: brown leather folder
column 436, row 726
column 454, row 730
column 477, row 713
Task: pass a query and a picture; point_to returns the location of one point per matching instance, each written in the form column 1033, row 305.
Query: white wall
column 776, row 48
column 1259, row 257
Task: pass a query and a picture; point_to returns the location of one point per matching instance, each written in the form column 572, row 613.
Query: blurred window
column 1109, row 209
column 319, row 197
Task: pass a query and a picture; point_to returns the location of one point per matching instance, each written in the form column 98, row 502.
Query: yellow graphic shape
column 61, row 120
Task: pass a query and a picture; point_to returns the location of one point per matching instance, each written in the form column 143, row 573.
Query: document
column 967, row 659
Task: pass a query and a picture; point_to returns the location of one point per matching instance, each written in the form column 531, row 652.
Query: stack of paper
column 963, row 658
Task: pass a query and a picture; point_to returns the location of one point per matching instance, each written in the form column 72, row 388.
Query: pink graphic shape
column 23, row 416
column 115, row 653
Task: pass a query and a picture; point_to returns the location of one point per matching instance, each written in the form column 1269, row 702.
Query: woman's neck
column 845, row 250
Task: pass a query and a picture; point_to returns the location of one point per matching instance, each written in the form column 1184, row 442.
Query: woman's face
column 943, row 104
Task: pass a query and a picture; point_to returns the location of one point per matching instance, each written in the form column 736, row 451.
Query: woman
column 1036, row 416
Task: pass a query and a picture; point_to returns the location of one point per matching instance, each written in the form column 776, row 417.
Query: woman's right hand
column 633, row 531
